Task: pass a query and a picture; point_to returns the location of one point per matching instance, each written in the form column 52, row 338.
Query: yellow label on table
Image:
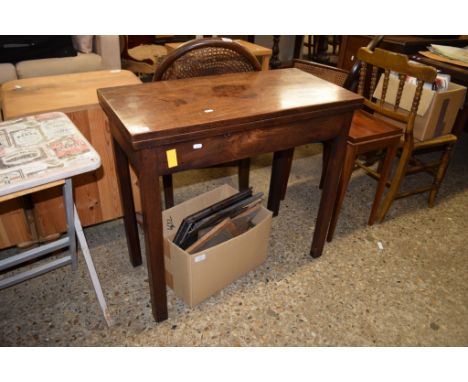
column 171, row 156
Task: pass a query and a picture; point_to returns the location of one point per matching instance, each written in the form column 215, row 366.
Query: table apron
column 227, row 147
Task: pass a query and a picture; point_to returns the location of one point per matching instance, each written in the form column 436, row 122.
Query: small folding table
column 38, row 152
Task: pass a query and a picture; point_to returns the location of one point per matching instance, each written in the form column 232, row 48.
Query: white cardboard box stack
column 437, row 109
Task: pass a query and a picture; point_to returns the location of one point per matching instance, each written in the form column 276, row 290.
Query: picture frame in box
column 196, row 277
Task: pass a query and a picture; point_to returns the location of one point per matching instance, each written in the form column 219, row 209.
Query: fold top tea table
column 169, row 126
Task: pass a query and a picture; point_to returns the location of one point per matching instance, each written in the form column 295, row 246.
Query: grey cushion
column 83, row 43
column 54, row 66
column 7, row 73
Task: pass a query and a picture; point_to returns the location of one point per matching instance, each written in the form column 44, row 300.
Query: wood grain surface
column 67, row 92
column 163, row 112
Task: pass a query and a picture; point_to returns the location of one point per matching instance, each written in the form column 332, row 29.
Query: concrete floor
column 413, row 292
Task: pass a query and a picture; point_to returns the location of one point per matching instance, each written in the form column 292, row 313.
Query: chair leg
column 325, row 159
column 244, row 170
column 396, row 182
column 440, row 173
column 348, row 165
column 168, row 191
column 380, row 164
column 384, row 170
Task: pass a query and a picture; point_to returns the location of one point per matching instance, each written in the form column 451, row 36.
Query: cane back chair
column 366, row 134
column 346, row 79
column 205, row 57
column 378, row 136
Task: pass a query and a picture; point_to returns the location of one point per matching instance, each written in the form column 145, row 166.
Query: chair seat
column 365, row 126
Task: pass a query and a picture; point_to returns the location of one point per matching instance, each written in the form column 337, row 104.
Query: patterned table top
column 41, row 149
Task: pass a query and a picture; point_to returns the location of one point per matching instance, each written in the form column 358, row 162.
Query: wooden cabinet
column 96, row 193
column 348, row 49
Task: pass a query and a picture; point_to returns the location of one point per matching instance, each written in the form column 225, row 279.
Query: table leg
column 275, row 62
column 168, row 191
column 337, row 149
column 152, row 223
column 244, row 173
column 266, row 62
column 69, row 212
column 346, row 172
column 287, row 171
column 126, row 197
column 91, row 269
column 279, row 171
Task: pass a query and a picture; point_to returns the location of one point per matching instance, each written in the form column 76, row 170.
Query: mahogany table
column 169, row 126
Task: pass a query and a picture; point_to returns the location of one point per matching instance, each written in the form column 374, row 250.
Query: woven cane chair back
column 325, row 72
column 205, row 57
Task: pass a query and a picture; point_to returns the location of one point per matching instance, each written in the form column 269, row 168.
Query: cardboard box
column 195, row 277
column 437, row 109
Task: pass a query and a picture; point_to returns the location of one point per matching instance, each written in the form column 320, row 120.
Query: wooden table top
column 41, row 149
column 256, row 50
column 66, row 92
column 166, row 110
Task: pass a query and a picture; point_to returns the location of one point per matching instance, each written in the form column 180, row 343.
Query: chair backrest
column 325, row 72
column 398, row 67
column 346, row 79
column 204, row 57
column 352, row 80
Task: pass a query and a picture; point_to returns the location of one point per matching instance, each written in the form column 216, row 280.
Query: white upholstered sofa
column 99, row 52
